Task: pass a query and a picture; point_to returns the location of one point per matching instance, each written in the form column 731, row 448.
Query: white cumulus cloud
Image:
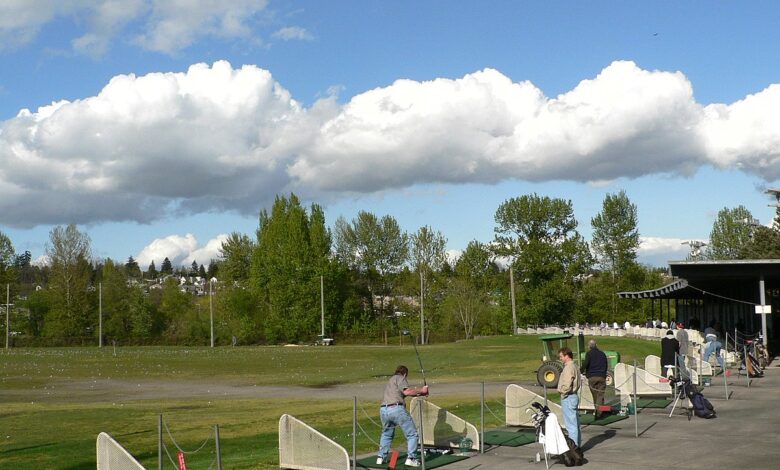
column 181, row 250
column 166, row 26
column 657, row 251
column 223, row 138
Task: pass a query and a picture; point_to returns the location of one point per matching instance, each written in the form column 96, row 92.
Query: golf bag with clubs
column 701, row 406
column 549, row 432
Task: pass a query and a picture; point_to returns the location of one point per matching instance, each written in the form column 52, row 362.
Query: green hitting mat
column 604, row 420
column 652, row 403
column 510, row 438
column 431, row 461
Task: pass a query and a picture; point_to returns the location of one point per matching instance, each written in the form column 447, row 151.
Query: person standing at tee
column 595, row 369
column 682, row 338
column 568, row 385
column 393, row 413
column 670, row 350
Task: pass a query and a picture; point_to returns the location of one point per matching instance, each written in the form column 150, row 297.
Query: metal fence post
column 354, row 432
column 159, row 442
column 636, row 406
column 422, row 438
column 482, row 421
column 219, row 451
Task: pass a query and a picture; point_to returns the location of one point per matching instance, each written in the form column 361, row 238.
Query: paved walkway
column 745, row 435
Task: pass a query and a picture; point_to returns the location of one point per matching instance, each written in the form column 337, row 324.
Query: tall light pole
column 322, row 307
column 211, row 309
column 512, row 299
column 422, row 311
column 7, row 314
column 100, row 314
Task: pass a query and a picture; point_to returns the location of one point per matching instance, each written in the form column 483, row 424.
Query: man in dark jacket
column 670, row 348
column 595, row 369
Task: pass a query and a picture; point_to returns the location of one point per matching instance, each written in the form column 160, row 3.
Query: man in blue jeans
column 568, row 385
column 712, row 345
column 393, row 413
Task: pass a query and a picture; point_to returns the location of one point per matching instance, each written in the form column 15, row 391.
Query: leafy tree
column 151, row 272
column 69, row 253
column 428, row 254
column 175, row 309
column 476, row 263
column 467, row 304
column 731, row 233
column 116, row 322
column 236, row 258
column 167, row 267
column 764, row 244
column 7, row 259
column 193, row 268
column 202, row 271
column 377, row 248
column 290, row 255
column 540, row 234
column 132, row 269
column 615, row 234
column 213, row 269
column 25, row 271
column 615, row 244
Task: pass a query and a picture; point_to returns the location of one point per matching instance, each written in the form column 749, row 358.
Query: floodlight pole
column 322, row 307
column 211, row 310
column 7, row 313
column 422, row 311
column 762, row 294
column 512, row 299
column 100, row 314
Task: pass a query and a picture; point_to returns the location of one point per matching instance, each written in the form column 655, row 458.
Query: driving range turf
column 56, row 400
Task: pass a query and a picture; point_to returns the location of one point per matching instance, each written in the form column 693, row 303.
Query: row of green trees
column 377, row 279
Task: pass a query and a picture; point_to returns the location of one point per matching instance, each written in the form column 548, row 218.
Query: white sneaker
column 410, row 462
column 380, row 460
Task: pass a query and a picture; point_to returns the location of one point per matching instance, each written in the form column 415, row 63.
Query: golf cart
column 550, row 371
column 323, row 341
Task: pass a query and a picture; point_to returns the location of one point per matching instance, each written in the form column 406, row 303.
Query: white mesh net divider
column 519, row 399
column 441, row 428
column 302, row 447
column 112, row 456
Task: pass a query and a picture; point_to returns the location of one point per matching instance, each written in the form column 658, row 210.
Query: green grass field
column 56, row 401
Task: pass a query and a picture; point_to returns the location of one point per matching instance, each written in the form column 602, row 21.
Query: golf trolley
column 682, row 389
column 550, row 432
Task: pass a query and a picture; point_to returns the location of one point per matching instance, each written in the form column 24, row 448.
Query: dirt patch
column 113, row 390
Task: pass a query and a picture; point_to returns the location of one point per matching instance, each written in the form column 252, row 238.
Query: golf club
column 414, row 343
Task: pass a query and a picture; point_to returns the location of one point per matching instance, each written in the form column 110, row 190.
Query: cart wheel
column 610, row 379
column 548, row 375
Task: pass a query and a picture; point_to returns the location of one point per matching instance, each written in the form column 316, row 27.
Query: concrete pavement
column 746, row 434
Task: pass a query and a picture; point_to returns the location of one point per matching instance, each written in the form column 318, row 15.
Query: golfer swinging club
column 393, row 413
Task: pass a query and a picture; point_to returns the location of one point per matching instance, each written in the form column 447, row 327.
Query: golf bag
column 543, row 419
column 701, row 406
column 753, row 368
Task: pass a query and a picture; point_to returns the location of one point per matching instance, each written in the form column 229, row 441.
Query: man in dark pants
column 670, row 349
column 595, row 369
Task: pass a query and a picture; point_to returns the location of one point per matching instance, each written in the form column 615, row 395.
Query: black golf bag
column 572, row 457
column 701, row 406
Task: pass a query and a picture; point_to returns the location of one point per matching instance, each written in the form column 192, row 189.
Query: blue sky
column 433, row 112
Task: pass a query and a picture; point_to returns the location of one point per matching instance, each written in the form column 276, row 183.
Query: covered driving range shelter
column 728, row 291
